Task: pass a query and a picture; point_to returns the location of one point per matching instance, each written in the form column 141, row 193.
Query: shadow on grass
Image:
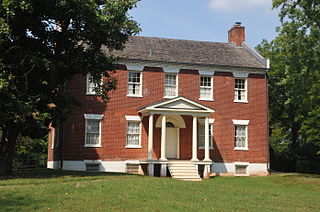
column 294, row 174
column 12, row 203
column 42, row 173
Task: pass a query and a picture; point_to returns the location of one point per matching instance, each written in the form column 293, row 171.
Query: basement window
column 92, row 167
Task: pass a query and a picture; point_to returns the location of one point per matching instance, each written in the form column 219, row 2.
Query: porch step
column 184, row 171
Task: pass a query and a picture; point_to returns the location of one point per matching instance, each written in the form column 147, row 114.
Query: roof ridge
column 179, row 39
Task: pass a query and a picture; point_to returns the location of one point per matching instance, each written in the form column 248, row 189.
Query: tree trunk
column 7, row 149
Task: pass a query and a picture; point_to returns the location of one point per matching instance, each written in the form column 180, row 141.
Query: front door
column 172, row 142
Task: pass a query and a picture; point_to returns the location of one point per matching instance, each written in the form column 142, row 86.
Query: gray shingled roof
column 187, row 51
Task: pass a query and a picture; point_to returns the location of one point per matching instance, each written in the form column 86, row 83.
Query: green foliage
column 294, row 82
column 31, row 152
column 43, row 44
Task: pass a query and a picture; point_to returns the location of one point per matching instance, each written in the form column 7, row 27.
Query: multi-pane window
column 205, row 87
column 202, row 136
column 241, row 170
column 90, row 84
column 170, row 85
column 133, row 134
column 240, row 91
column 134, row 83
column 240, row 136
column 93, row 130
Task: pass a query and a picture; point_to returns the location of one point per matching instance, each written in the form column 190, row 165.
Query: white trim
column 177, row 120
column 177, row 86
column 201, row 121
column 154, row 107
column 171, row 70
column 223, row 169
column 131, row 95
column 133, row 146
column 240, row 101
column 240, row 122
column 92, row 161
column 211, row 88
column 134, row 67
column 206, row 72
column 240, row 75
column 133, row 118
column 92, row 117
column 87, row 85
column 140, row 91
column 245, row 87
column 175, row 67
column 242, row 163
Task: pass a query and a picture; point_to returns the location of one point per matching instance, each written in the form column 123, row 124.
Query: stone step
column 184, row 171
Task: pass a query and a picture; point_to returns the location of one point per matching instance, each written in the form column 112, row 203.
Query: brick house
column 193, row 106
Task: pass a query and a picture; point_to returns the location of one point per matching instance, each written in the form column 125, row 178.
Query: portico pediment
column 179, row 105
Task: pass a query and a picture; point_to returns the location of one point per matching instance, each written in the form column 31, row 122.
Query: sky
column 206, row 20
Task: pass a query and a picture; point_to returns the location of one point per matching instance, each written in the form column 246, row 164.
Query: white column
column 206, row 140
column 163, row 170
column 151, row 169
column 163, row 138
column 150, row 137
column 194, row 140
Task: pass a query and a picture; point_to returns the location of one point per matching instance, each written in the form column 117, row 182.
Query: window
column 241, row 170
column 134, row 84
column 205, row 88
column 170, row 85
column 240, row 90
column 133, row 132
column 93, row 130
column 241, row 134
column 133, row 135
column 202, row 133
column 92, row 167
column 90, row 85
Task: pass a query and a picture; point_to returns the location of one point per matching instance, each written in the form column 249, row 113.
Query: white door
column 172, row 142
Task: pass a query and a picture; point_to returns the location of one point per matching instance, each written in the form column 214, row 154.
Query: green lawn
column 49, row 190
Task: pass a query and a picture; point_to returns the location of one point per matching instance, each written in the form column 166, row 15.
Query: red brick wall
column 114, row 123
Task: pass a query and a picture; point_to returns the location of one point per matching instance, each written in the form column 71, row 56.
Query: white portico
column 170, row 121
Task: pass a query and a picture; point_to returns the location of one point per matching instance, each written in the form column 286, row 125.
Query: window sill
column 240, row 101
column 205, row 99
column 169, row 97
column 94, row 146
column 131, row 95
column 133, row 147
column 210, row 148
column 241, row 148
column 90, row 94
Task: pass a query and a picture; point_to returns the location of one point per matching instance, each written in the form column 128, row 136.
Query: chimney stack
column 236, row 34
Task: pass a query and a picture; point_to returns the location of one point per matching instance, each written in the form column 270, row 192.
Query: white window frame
column 211, row 88
column 202, row 122
column 241, row 164
column 92, row 117
column 140, row 91
column 241, row 123
column 88, row 85
column 135, row 119
column 177, row 83
column 245, row 100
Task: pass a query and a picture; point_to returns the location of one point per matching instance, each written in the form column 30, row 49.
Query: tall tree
column 43, row 44
column 295, row 84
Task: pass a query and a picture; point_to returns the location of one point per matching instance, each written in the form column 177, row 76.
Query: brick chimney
column 236, row 34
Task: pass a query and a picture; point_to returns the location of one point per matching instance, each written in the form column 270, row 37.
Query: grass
column 54, row 190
